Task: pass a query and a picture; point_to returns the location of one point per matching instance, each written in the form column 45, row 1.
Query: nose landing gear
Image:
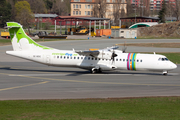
column 165, row 72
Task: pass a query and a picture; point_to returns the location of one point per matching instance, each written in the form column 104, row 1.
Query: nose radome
column 174, row 66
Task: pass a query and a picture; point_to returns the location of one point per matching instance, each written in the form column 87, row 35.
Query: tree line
column 22, row 10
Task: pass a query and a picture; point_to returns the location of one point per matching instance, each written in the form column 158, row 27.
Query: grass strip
column 162, row 45
column 155, row 108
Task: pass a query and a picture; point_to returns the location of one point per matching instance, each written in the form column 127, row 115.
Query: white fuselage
column 124, row 61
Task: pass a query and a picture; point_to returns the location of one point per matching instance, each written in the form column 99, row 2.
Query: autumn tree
column 176, row 9
column 118, row 11
column 5, row 12
column 130, row 9
column 37, row 6
column 100, row 8
column 61, row 7
column 23, row 13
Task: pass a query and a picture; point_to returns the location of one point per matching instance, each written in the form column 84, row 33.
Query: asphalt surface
column 21, row 79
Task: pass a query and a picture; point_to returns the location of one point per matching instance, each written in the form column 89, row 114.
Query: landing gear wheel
column 95, row 71
column 165, row 72
column 99, row 70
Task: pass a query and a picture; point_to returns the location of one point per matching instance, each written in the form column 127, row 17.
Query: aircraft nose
column 173, row 66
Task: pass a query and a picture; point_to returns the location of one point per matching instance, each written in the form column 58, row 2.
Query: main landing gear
column 94, row 70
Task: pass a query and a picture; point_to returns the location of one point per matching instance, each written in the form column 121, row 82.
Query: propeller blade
column 124, row 48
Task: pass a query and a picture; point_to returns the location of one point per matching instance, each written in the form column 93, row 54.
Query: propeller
column 113, row 56
column 124, row 48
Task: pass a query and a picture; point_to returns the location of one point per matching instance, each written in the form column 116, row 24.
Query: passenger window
column 88, row 58
column 74, row 57
column 163, row 59
column 134, row 60
column 67, row 57
column 64, row 57
column 141, row 60
column 61, row 57
column 127, row 60
column 120, row 60
column 99, row 58
column 81, row 57
column 116, row 59
column 57, row 56
column 130, row 60
column 137, row 60
column 95, row 58
column 92, row 58
column 77, row 57
column 123, row 59
column 71, row 57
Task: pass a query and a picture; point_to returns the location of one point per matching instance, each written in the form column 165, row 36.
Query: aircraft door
column 48, row 59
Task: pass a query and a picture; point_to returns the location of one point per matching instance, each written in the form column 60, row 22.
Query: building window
column 85, row 13
column 76, row 6
column 79, row 6
column 88, row 6
column 79, row 12
column 113, row 1
column 107, row 0
column 91, row 6
column 73, row 12
column 73, row 6
column 76, row 0
column 91, row 12
column 76, row 12
column 88, row 12
column 88, row 0
column 85, row 6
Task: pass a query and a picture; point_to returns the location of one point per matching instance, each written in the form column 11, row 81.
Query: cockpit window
column 163, row 59
column 166, row 59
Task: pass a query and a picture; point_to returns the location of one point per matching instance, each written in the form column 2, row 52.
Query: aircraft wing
column 88, row 53
column 96, row 53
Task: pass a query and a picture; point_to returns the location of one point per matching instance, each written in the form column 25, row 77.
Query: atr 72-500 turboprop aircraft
column 95, row 61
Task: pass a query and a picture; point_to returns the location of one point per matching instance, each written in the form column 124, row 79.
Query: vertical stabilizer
column 20, row 41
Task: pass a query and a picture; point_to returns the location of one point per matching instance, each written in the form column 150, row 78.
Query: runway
column 21, row 79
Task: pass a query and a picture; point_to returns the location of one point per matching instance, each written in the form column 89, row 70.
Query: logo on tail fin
column 20, row 40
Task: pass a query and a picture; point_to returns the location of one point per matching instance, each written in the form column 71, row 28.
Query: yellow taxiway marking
column 23, row 86
column 78, row 81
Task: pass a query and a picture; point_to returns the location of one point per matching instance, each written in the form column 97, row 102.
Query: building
column 86, row 7
column 157, row 4
column 151, row 4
